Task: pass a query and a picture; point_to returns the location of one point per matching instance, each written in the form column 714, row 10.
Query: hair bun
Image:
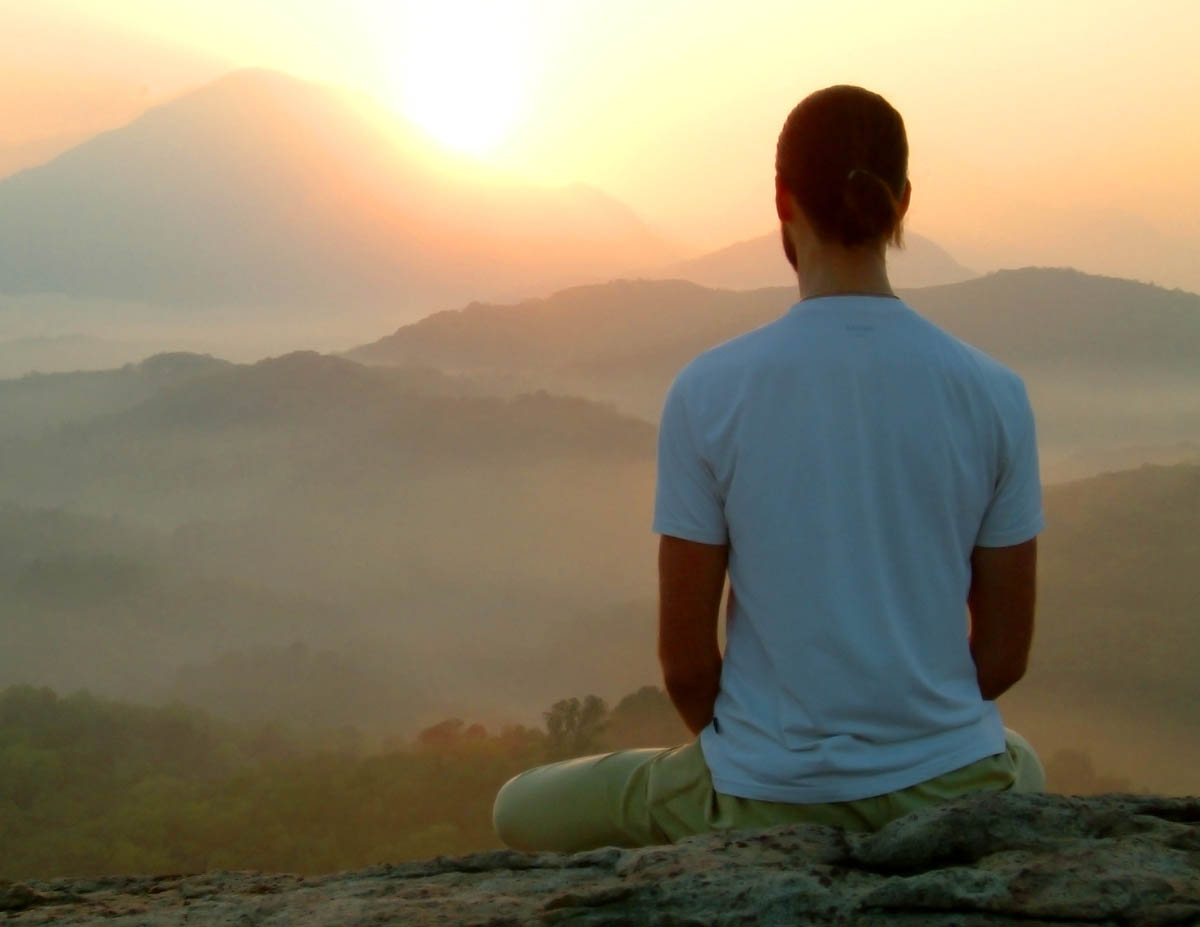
column 871, row 208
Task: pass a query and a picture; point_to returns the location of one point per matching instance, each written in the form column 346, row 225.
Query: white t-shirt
column 851, row 454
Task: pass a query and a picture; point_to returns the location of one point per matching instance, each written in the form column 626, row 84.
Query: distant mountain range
column 229, row 438
column 41, row 403
column 1031, row 319
column 1110, row 363
column 759, row 262
column 263, row 203
column 290, row 198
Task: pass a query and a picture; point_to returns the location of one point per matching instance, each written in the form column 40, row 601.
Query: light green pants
column 644, row 797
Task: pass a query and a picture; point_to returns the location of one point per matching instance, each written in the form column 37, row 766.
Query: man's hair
column 843, row 154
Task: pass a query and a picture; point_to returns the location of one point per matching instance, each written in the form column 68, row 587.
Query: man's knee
column 575, row 804
column 1031, row 776
column 510, row 814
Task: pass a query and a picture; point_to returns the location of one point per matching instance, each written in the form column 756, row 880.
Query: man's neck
column 833, row 270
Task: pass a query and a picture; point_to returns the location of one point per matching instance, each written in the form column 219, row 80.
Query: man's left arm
column 691, row 577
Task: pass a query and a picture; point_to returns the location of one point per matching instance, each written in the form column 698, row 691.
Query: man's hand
column 690, row 579
column 1001, row 601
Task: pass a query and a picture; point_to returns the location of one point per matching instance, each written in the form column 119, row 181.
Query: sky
column 1052, row 132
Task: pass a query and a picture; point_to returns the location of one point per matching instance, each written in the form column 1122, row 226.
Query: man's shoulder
column 722, row 362
column 999, row 377
column 992, row 372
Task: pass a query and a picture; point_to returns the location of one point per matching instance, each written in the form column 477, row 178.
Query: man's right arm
column 1001, row 601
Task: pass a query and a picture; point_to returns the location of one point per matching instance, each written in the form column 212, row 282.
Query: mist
column 414, row 563
column 413, row 547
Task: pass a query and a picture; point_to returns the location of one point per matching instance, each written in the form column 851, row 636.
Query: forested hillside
column 90, row 787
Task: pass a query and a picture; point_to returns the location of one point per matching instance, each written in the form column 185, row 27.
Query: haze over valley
column 462, row 542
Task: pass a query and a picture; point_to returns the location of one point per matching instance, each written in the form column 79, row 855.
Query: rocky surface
column 1001, row 859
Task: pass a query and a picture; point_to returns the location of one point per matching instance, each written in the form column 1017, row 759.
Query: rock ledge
column 1000, row 859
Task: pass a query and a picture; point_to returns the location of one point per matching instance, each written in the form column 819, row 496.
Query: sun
column 463, row 74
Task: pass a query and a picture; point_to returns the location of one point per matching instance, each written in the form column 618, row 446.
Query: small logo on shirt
column 859, row 329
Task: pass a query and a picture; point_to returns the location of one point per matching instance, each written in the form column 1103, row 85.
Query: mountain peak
column 262, row 191
column 759, row 262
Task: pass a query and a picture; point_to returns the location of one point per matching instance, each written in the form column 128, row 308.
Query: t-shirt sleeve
column 688, row 502
column 1015, row 512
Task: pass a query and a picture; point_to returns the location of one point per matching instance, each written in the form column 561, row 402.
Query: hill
column 759, row 262
column 440, row 551
column 1110, row 363
column 38, row 402
column 393, row 517
column 300, row 202
column 581, row 327
column 1030, row 318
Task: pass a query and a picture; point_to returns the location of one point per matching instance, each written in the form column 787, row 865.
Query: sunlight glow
column 463, row 73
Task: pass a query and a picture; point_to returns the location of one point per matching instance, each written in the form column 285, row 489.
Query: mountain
column 577, row 327
column 1049, row 319
column 190, row 425
column 68, row 351
column 1034, row 318
column 38, row 403
column 1110, row 363
column 393, row 516
column 270, row 198
column 759, row 262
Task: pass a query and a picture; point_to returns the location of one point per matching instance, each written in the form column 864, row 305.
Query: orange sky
column 1052, row 133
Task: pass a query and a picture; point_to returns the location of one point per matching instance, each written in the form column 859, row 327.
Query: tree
column 442, row 736
column 572, row 727
column 645, row 718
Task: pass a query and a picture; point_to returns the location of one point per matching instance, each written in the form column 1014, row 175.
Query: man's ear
column 905, row 198
column 785, row 203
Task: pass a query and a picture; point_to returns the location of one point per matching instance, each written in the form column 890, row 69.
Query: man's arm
column 690, row 579
column 1001, row 602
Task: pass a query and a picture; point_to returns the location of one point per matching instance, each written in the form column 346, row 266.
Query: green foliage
column 573, row 728
column 645, row 718
column 90, row 787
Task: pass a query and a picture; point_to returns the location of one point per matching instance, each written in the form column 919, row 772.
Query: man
column 862, row 479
